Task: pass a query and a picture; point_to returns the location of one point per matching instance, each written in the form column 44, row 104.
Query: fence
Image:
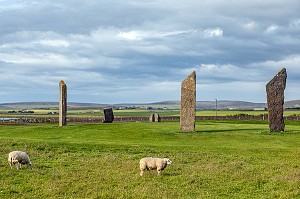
column 34, row 119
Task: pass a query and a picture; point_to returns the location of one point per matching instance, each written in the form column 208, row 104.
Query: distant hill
column 28, row 105
column 46, row 105
column 211, row 105
column 225, row 105
column 292, row 104
column 203, row 105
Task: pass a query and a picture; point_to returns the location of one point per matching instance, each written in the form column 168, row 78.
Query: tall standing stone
column 188, row 103
column 62, row 103
column 108, row 115
column 275, row 99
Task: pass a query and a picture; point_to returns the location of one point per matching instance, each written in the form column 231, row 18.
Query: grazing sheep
column 18, row 158
column 154, row 163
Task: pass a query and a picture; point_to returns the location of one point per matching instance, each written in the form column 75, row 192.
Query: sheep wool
column 154, row 163
column 18, row 158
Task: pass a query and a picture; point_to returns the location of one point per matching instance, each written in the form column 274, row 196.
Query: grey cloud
column 116, row 46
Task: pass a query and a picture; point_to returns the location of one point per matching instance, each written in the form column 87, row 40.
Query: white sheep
column 154, row 163
column 18, row 158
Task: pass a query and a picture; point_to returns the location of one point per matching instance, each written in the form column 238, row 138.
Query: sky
column 139, row 51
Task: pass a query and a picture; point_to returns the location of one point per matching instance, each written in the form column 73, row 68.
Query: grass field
column 146, row 113
column 222, row 159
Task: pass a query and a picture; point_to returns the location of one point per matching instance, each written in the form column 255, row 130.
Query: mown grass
column 222, row 159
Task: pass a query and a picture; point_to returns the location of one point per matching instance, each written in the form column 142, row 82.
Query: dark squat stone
column 275, row 99
column 108, row 115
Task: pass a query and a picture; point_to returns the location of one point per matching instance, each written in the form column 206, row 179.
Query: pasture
column 222, row 159
column 143, row 112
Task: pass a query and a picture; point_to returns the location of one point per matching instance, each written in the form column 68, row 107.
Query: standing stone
column 157, row 117
column 62, row 103
column 154, row 117
column 108, row 115
column 188, row 104
column 151, row 118
column 275, row 99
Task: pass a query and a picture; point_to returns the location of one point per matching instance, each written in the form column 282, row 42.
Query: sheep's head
column 169, row 161
column 29, row 165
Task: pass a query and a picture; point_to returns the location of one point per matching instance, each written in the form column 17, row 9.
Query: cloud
column 250, row 25
column 54, row 43
column 295, row 23
column 128, row 49
column 216, row 32
column 142, row 35
column 131, row 35
column 272, row 28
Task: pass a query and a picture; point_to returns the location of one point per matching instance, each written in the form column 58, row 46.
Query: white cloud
column 240, row 90
column 135, row 35
column 272, row 28
column 131, row 36
column 54, row 43
column 215, row 32
column 43, row 59
column 209, row 67
column 291, row 63
column 295, row 23
column 250, row 25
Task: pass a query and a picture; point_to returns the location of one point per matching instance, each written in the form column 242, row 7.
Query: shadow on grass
column 232, row 130
column 41, row 167
column 171, row 174
column 246, row 130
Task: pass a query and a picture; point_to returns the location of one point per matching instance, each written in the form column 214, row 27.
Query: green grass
column 146, row 113
column 222, row 159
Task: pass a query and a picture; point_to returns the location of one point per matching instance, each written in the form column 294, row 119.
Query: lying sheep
column 18, row 158
column 154, row 163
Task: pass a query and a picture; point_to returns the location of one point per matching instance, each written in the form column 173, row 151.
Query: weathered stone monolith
column 62, row 103
column 151, row 117
column 188, row 103
column 275, row 99
column 157, row 117
column 108, row 115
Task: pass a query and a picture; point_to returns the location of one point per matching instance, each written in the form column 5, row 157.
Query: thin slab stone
column 275, row 99
column 62, row 103
column 188, row 104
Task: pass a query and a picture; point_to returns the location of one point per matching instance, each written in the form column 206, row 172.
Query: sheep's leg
column 142, row 172
column 10, row 164
column 158, row 171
